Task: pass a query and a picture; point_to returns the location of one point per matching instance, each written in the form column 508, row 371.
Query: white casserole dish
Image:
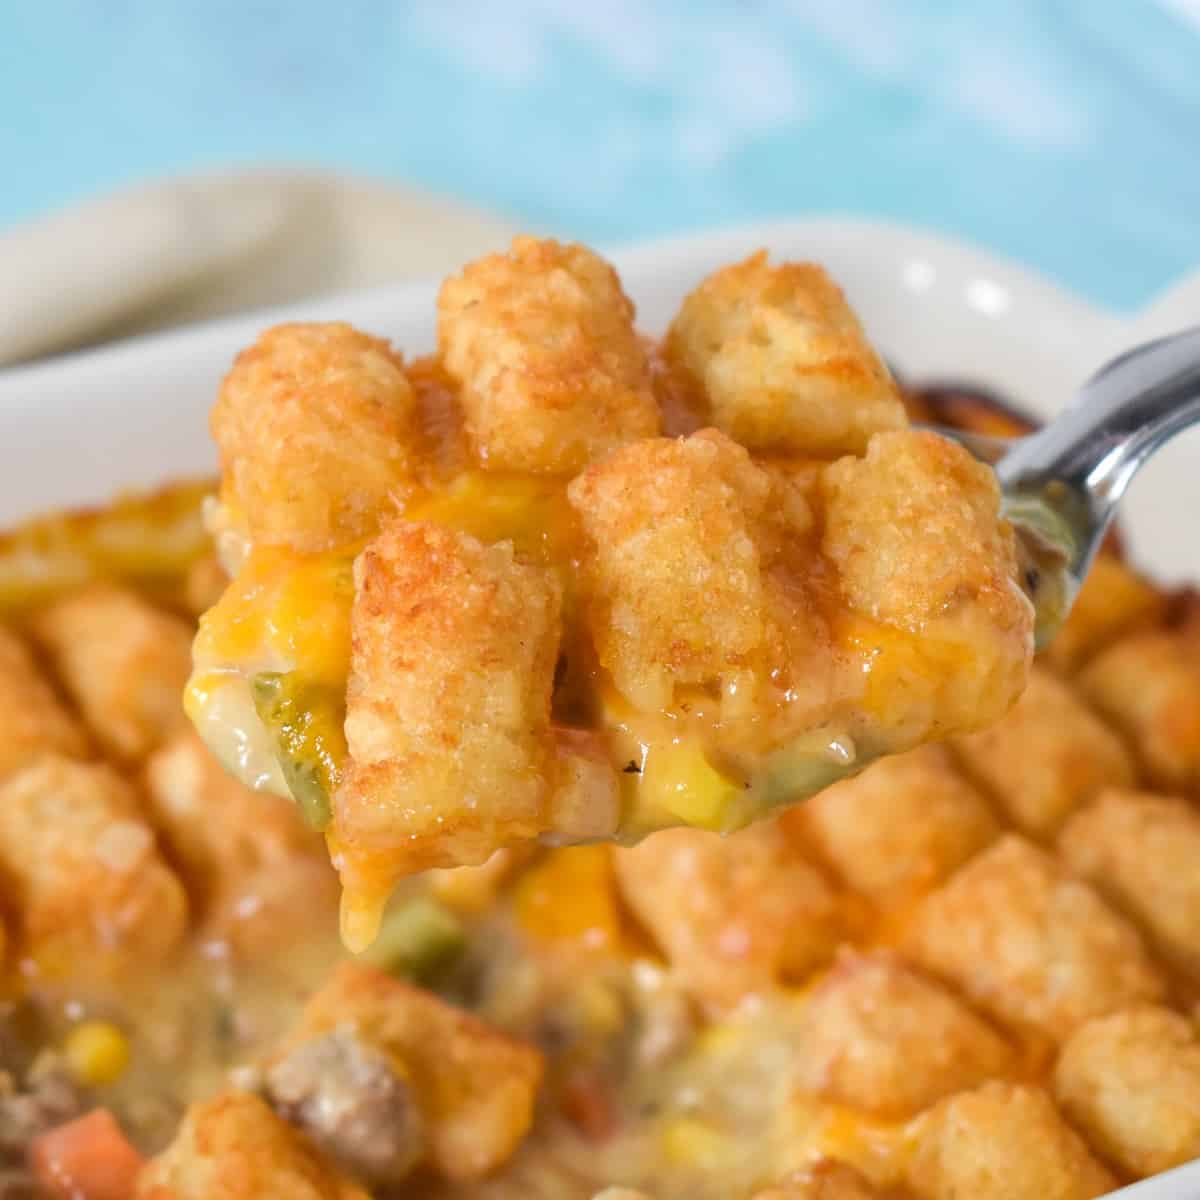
column 75, row 430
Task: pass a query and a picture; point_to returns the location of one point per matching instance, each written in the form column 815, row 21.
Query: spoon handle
column 1081, row 464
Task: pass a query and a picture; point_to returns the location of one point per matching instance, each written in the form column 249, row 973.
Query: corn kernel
column 680, row 779
column 97, row 1052
column 720, row 1040
column 689, row 1141
column 599, row 1006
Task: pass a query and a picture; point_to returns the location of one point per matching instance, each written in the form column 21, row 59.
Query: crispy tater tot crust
column 315, row 425
column 35, row 721
column 1003, row 1141
column 448, row 706
column 542, row 344
column 902, row 825
column 782, row 360
column 123, row 661
column 234, row 1147
column 1131, row 1082
column 254, row 873
column 882, row 1038
column 668, row 521
column 1033, row 947
column 913, row 529
column 83, row 869
column 1047, row 756
column 476, row 1086
column 733, row 915
column 1143, row 852
column 1148, row 685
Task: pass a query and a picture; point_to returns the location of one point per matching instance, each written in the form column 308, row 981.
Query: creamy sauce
column 191, row 1023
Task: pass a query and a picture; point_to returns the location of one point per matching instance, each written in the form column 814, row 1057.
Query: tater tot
column 1148, row 684
column 880, row 1037
column 448, row 704
column 234, row 1147
column 783, row 361
column 124, row 663
column 1113, row 601
column 733, row 915
column 902, row 825
column 1003, row 1142
column 89, row 887
column 914, row 529
column 246, row 856
column 914, row 532
column 35, row 721
column 1131, row 1082
column 315, row 427
column 1143, row 853
column 541, row 342
column 215, row 826
column 476, row 1086
column 673, row 570
column 1034, row 948
column 1047, row 756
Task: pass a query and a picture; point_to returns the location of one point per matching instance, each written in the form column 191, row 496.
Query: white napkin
column 180, row 250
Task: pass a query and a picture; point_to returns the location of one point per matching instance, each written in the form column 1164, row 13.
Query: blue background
column 1063, row 132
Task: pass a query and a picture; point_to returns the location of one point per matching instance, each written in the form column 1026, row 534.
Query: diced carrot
column 86, row 1159
column 589, row 1104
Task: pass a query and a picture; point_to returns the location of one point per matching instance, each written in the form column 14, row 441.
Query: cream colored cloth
column 181, row 250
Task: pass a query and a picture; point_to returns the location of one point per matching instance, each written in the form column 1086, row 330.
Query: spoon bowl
column 1062, row 484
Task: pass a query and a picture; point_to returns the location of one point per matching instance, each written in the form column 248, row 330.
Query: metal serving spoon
column 1062, row 484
